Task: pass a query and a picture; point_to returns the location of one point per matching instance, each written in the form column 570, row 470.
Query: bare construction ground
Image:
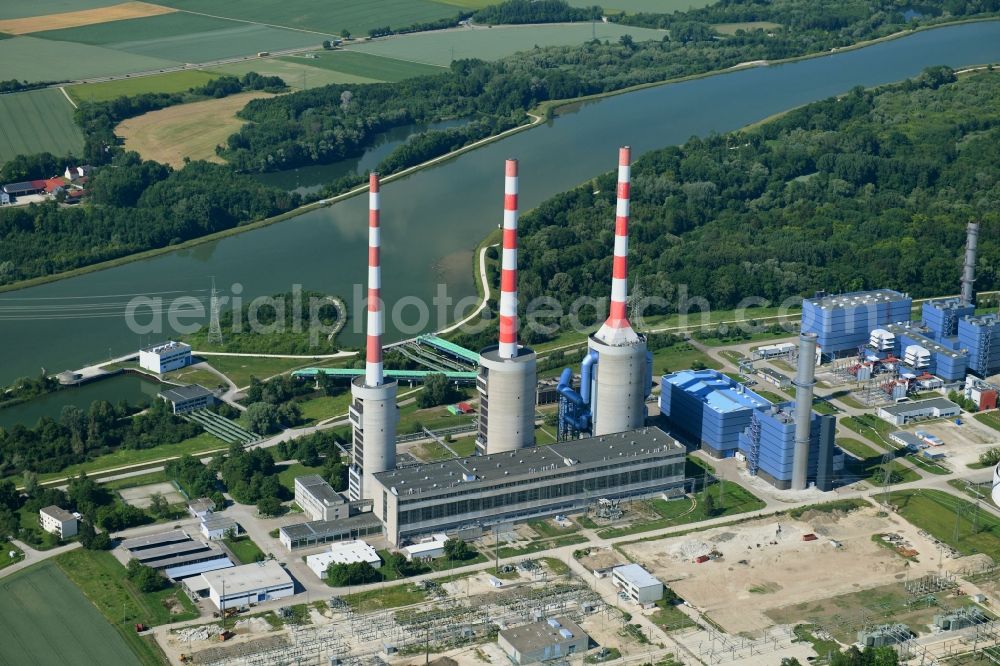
column 139, row 496
column 762, row 568
column 188, row 130
column 125, row 10
column 962, row 443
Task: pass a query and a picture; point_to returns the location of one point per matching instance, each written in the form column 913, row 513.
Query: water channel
column 433, row 219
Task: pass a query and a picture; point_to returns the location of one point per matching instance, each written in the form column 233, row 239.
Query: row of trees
column 536, row 11
column 78, row 436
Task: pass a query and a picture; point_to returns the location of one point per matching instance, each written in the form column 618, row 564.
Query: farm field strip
column 186, row 37
column 37, row 121
column 47, row 620
column 332, row 16
column 167, row 83
column 125, row 10
column 298, row 73
column 14, row 10
column 368, row 65
column 36, row 59
column 442, row 46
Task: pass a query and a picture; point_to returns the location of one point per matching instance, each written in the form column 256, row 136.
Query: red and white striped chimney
column 373, row 358
column 616, row 330
column 508, row 276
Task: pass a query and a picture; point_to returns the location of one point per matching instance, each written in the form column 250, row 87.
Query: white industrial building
column 345, row 552
column 58, row 521
column 554, row 638
column 426, row 549
column 241, row 586
column 215, row 527
column 906, row 412
column 638, row 584
column 318, row 498
column 165, row 357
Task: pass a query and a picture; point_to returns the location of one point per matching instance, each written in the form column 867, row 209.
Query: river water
column 433, row 219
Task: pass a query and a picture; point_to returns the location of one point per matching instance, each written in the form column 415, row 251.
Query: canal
column 433, row 219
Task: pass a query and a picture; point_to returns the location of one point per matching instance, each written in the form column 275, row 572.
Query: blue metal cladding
column 843, row 323
column 950, row 369
column 777, row 443
column 981, row 336
column 941, row 316
column 708, row 408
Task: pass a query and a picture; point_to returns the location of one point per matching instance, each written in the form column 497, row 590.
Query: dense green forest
column 884, row 180
column 337, row 121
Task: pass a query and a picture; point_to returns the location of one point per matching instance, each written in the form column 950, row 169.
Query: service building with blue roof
column 708, row 408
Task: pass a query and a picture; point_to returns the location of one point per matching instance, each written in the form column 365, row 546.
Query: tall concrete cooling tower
column 507, row 372
column 373, row 411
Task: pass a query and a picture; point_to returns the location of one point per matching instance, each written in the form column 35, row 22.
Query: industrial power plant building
column 165, row 357
column 708, row 408
column 517, row 485
column 318, row 499
column 553, row 639
column 769, row 447
column 842, row 323
column 244, row 585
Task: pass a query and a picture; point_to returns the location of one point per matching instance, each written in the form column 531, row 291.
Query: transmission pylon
column 887, row 459
column 214, row 327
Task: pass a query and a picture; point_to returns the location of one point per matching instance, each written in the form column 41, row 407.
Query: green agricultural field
column 373, row 67
column 296, row 71
column 162, row 83
column 37, row 121
column 46, row 620
column 441, row 47
column 650, row 6
column 185, row 37
column 35, row 59
column 13, row 10
column 331, row 16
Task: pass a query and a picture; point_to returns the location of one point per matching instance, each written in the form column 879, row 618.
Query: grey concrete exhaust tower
column 805, row 379
column 969, row 269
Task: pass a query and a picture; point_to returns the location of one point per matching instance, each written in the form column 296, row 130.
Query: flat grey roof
column 170, row 550
column 323, row 528
column 511, row 465
column 201, row 504
column 858, row 298
column 57, row 513
column 190, row 558
column 774, row 373
column 316, row 485
column 907, row 437
column 537, row 636
column 160, row 538
column 215, row 521
column 917, row 405
column 184, row 393
column 247, row 578
column 636, row 575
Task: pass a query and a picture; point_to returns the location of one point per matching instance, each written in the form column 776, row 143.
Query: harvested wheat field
column 188, row 130
column 762, row 568
column 125, row 10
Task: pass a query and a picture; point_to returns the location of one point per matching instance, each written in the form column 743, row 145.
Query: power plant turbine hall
column 507, row 371
column 373, row 412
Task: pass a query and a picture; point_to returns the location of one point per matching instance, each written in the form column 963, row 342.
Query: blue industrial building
column 768, row 443
column 708, row 409
column 842, row 323
column 941, row 316
column 943, row 359
column 981, row 337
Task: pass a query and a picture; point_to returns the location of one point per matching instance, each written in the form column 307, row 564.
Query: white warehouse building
column 241, row 586
column 344, row 552
column 904, row 412
column 638, row 584
column 165, row 357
